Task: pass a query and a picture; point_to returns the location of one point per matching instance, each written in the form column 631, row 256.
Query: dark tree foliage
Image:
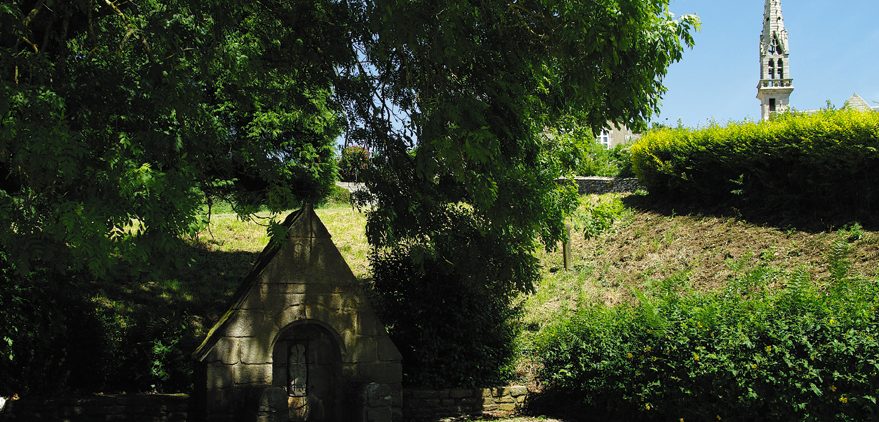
column 120, row 119
column 462, row 96
column 448, row 308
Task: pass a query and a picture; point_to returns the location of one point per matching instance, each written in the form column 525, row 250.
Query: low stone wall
column 602, row 185
column 133, row 407
column 432, row 405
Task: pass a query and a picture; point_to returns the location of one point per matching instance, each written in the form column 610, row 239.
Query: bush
column 598, row 216
column 60, row 333
column 606, row 162
column 448, row 307
column 353, row 162
column 750, row 352
column 338, row 196
column 820, row 160
column 580, row 153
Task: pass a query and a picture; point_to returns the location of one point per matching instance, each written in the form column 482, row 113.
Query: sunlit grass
column 227, row 232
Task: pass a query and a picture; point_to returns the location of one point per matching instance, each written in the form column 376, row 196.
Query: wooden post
column 566, row 247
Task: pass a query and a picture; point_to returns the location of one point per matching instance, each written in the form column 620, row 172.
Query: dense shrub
column 582, row 154
column 338, row 196
column 597, row 215
column 755, row 351
column 62, row 333
column 608, row 162
column 820, row 160
column 353, row 162
column 448, row 307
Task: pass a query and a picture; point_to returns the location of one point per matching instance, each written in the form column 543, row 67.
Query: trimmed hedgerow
column 804, row 351
column 829, row 158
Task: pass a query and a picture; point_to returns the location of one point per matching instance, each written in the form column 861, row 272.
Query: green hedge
column 821, row 159
column 804, row 351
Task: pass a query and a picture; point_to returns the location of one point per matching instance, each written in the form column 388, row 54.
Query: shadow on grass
column 555, row 406
column 137, row 335
column 814, row 218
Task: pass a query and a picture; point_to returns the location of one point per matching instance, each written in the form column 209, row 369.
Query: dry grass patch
column 643, row 247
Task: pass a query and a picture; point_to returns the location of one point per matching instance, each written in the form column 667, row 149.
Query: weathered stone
column 518, row 390
column 272, row 399
column 361, row 349
column 601, row 185
column 290, row 314
column 382, row 414
column 505, row 399
column 379, row 395
column 225, row 351
column 382, row 373
column 252, row 352
column 219, row 376
column 506, row 407
column 301, row 311
column 249, row 323
column 244, row 374
column 387, row 351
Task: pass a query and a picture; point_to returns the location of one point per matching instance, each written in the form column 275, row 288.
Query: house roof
column 301, row 223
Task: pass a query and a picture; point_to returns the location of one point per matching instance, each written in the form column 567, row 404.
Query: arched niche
column 307, row 364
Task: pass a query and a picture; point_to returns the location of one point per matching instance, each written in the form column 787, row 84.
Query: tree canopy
column 121, row 119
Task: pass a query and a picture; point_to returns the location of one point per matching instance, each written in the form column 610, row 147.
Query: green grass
column 617, row 249
column 227, row 232
column 631, row 247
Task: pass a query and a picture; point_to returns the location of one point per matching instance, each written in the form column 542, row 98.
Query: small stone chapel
column 300, row 341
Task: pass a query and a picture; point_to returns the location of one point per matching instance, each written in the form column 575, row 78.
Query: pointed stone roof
column 856, row 102
column 305, row 259
column 774, row 32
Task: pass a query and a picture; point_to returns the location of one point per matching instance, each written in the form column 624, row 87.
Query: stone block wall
column 134, row 407
column 432, row 405
column 601, row 185
column 300, row 306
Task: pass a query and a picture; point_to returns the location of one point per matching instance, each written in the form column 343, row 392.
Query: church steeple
column 776, row 84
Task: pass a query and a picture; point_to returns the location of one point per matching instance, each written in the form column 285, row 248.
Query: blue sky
column 834, row 47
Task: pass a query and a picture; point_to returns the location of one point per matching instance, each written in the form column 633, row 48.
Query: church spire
column 776, row 84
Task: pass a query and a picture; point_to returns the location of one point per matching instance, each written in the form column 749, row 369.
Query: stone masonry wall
column 602, row 185
column 135, row 407
column 432, row 405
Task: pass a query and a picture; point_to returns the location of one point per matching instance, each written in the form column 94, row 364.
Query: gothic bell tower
column 775, row 84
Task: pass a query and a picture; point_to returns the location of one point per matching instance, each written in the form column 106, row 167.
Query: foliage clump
column 827, row 160
column 449, row 310
column 353, row 163
column 597, row 215
column 771, row 345
column 583, row 155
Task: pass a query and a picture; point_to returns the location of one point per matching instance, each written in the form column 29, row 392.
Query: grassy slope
column 641, row 248
column 644, row 247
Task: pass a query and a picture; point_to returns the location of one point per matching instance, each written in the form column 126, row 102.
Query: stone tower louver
column 775, row 84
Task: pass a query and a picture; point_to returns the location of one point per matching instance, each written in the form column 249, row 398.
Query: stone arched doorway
column 307, row 364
